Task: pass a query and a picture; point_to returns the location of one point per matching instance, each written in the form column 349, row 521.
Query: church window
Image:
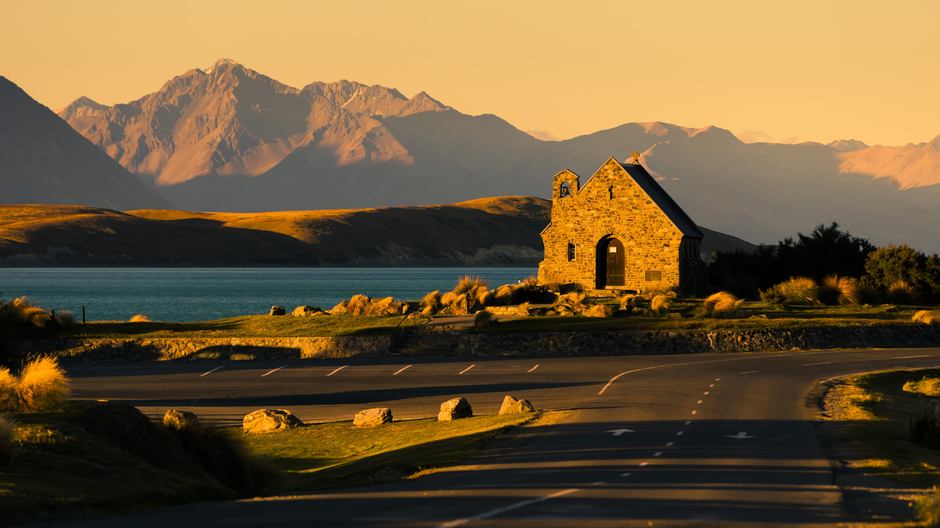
column 571, row 252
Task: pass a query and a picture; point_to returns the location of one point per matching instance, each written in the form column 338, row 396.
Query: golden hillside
column 490, row 231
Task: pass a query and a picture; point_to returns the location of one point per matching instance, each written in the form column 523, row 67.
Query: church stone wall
column 610, row 204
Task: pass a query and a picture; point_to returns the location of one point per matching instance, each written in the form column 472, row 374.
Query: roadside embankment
column 454, row 341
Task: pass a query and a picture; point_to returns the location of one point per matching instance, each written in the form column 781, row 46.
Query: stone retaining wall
column 451, row 341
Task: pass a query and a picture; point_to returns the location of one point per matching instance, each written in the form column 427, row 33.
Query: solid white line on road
column 750, row 372
column 644, row 464
column 669, row 444
column 615, row 379
column 273, row 371
column 211, row 371
column 657, row 453
column 499, row 511
column 337, row 370
column 699, row 402
column 909, row 357
column 624, row 474
column 679, row 433
column 400, row 371
column 813, row 364
column 533, row 368
column 468, row 368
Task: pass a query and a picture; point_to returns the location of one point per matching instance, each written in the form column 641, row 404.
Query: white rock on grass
column 373, row 417
column 269, row 420
column 513, row 406
column 454, row 409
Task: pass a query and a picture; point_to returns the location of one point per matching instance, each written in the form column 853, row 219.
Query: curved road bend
column 686, row 440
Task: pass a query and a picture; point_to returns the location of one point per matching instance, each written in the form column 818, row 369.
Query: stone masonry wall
column 611, row 203
column 453, row 341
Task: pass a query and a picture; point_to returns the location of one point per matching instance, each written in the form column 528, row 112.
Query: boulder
column 454, row 409
column 513, row 406
column 278, row 310
column 268, row 420
column 174, row 419
column 305, row 311
column 373, row 417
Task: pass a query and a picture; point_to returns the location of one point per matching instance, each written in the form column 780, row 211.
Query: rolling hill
column 485, row 232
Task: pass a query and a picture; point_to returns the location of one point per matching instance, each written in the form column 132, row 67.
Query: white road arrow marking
column 739, row 436
column 618, row 432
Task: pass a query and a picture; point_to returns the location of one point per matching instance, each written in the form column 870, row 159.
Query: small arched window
column 565, row 189
column 571, row 252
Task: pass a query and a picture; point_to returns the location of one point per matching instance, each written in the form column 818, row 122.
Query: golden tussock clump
column 504, row 294
column 483, row 319
column 927, row 317
column 630, row 302
column 900, row 292
column 40, row 386
column 796, row 290
column 523, row 309
column 721, row 305
column 358, row 305
column 431, row 303
column 838, row 290
column 660, row 303
column 653, row 289
column 468, row 284
column 21, row 311
column 599, row 310
column 573, row 302
column 926, row 386
column 140, row 318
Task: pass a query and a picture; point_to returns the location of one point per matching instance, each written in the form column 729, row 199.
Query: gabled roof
column 659, row 196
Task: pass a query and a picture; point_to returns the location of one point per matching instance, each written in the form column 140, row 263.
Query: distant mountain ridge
column 231, row 139
column 43, row 160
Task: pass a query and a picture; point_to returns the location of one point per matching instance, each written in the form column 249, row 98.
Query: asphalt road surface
column 684, row 440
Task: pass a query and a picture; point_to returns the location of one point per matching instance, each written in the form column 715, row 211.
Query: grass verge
column 338, row 454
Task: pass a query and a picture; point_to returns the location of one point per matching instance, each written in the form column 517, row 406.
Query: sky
column 767, row 71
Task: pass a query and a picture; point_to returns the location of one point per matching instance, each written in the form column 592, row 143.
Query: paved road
column 690, row 440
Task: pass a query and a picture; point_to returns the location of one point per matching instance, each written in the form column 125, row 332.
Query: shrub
column 926, row 386
column 924, row 427
column 599, row 310
column 483, row 318
column 222, row 453
column 887, row 266
column 140, row 318
column 722, row 304
column 7, row 441
column 660, row 303
column 358, row 305
column 40, row 386
column 743, row 287
column 504, row 294
column 658, row 288
column 900, row 292
column 431, row 303
column 571, row 302
column 630, row 302
column 928, row 507
column 838, row 290
column 523, row 309
column 20, row 312
column 797, row 290
column 868, row 294
column 926, row 317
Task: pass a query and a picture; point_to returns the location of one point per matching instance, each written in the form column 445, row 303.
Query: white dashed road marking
column 337, row 370
column 699, row 402
column 624, row 474
column 706, row 393
column 694, row 412
column 679, row 433
column 498, row 511
column 533, row 368
column 717, row 379
column 468, row 368
column 669, row 444
column 211, row 371
column 687, row 422
column 273, row 371
column 657, row 453
column 401, row 370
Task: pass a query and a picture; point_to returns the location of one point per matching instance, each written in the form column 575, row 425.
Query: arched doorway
column 610, row 263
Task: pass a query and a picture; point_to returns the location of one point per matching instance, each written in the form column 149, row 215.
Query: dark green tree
column 887, row 265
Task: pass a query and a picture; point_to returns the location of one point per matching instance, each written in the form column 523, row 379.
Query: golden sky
column 782, row 71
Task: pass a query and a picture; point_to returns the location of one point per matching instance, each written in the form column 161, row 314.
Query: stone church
column 619, row 232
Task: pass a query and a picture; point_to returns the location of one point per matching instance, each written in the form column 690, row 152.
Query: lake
column 202, row 294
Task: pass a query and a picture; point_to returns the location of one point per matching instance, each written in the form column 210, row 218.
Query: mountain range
column 230, row 139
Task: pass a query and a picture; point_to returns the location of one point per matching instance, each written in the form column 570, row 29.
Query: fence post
column 83, row 315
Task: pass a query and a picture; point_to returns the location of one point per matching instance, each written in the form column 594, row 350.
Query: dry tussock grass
column 599, row 310
column 721, row 305
column 660, row 303
column 838, row 290
column 926, row 317
column 523, row 309
column 926, row 386
column 573, row 302
column 20, row 311
column 659, row 288
column 483, row 318
column 796, row 290
column 431, row 303
column 868, row 295
column 630, row 302
column 504, row 294
column 40, row 386
column 140, row 318
column 900, row 293
column 358, row 305
column 470, row 283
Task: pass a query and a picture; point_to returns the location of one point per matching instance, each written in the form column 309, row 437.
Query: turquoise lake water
column 202, row 294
